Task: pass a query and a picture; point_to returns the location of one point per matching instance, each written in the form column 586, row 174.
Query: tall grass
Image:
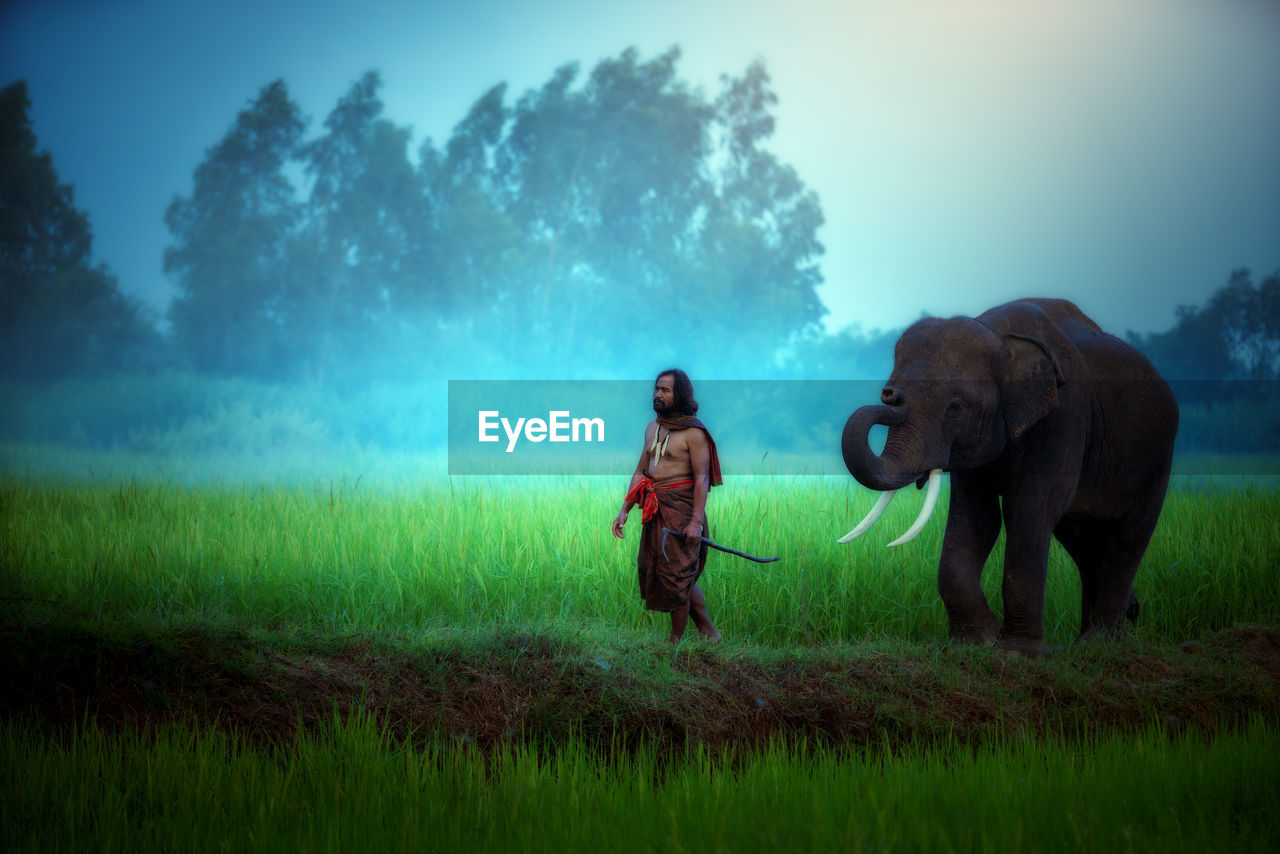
column 343, row 556
column 411, row 552
column 350, row 787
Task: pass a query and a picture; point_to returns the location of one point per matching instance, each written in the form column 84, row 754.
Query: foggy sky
column 1120, row 154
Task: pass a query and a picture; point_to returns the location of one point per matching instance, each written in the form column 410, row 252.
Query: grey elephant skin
column 1049, row 426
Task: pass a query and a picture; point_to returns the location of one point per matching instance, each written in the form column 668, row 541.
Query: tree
column 655, row 221
column 235, row 241
column 1249, row 317
column 581, row 227
column 58, row 314
column 1235, row 335
column 366, row 221
column 1268, row 319
column 760, row 237
column 850, row 354
column 474, row 251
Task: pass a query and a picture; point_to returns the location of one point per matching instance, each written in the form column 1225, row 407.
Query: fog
column 331, row 213
column 1121, row 155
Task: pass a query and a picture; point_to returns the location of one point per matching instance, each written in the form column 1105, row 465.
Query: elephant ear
column 1031, row 381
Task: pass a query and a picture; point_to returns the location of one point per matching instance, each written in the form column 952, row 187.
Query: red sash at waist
column 643, row 494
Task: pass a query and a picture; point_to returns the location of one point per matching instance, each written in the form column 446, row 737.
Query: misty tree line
column 590, row 227
column 594, row 228
column 1234, row 335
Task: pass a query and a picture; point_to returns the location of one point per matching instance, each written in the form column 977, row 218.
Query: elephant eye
column 955, row 404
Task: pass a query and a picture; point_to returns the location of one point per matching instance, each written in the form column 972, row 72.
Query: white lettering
column 559, row 425
column 586, row 424
column 512, row 435
column 486, row 425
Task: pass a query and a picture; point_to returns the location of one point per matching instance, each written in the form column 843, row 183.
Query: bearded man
column 678, row 466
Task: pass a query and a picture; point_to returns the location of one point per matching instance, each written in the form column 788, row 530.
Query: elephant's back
column 1065, row 313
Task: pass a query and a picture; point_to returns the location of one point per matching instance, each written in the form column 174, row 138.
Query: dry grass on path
column 510, row 686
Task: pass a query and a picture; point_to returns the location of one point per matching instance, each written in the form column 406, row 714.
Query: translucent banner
column 789, row 427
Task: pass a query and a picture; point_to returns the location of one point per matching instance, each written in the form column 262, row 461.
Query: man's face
column 664, row 394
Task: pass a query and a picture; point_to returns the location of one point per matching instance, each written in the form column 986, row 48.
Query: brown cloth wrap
column 666, row 583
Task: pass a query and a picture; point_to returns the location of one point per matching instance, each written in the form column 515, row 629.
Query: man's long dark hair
column 684, row 403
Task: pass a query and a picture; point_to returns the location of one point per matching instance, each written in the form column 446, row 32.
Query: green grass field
column 537, row 552
column 490, row 586
column 350, row 788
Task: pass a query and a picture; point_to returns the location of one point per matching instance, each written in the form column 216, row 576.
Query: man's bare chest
column 669, row 453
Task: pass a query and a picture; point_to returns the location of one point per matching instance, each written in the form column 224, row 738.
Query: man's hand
column 692, row 534
column 618, row 522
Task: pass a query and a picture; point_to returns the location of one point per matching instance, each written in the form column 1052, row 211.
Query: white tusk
column 930, row 501
column 881, row 504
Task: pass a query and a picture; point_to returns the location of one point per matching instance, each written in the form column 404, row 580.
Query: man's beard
column 664, row 411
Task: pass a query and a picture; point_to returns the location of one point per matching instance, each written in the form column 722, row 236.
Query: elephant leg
column 1107, row 553
column 973, row 524
column 1026, row 563
column 1107, row 550
column 1032, row 509
column 1029, row 526
column 1083, row 540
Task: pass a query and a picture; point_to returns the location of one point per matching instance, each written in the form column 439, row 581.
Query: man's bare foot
column 712, row 637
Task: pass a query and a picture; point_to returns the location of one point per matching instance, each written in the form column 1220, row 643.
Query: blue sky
column 1123, row 155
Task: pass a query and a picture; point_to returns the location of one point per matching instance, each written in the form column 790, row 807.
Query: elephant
column 1047, row 425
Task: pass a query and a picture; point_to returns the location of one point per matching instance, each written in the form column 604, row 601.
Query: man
column 678, row 466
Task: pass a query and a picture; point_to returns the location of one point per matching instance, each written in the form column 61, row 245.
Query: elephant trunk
column 872, row 471
column 887, row 474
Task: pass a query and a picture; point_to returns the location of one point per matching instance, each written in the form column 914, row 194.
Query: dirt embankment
column 526, row 686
